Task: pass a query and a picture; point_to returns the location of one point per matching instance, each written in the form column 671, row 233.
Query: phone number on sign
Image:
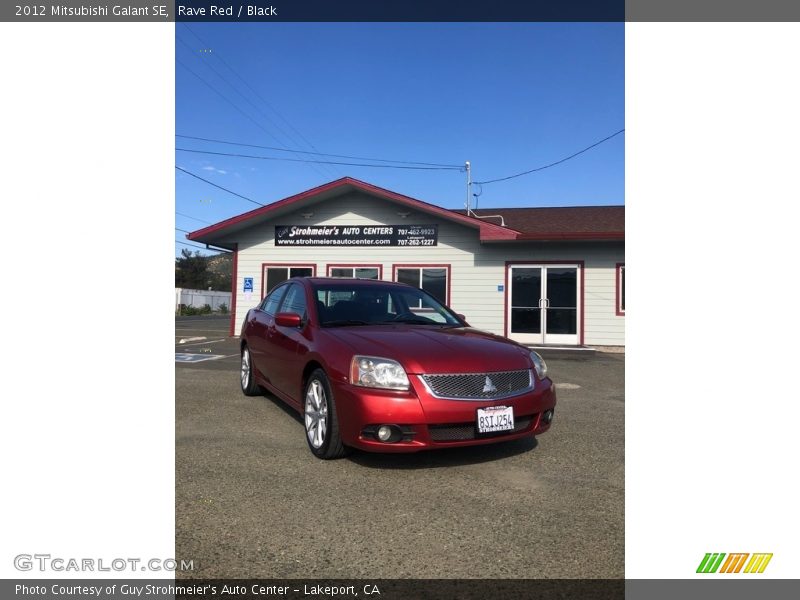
column 416, row 242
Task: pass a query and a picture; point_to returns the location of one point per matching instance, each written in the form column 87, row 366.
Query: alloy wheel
column 316, row 413
column 245, row 368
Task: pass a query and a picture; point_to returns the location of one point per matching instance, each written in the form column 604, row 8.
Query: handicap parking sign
column 248, row 284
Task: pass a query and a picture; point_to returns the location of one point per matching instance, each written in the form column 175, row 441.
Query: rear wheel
column 247, row 379
column 319, row 417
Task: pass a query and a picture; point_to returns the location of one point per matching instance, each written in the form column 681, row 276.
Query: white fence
column 198, row 298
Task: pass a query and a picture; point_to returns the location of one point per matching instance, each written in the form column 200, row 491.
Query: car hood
column 422, row 349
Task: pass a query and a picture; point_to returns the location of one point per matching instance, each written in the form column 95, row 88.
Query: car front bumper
column 428, row 422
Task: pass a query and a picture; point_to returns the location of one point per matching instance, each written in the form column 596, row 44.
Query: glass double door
column 543, row 304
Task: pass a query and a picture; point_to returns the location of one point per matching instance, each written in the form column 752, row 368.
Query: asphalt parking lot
column 252, row 501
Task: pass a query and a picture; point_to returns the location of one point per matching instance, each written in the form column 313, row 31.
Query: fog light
column 547, row 417
column 384, row 433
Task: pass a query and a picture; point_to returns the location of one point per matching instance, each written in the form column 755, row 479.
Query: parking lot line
column 188, row 357
column 199, row 343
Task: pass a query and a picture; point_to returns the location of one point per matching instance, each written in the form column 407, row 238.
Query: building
column 541, row 276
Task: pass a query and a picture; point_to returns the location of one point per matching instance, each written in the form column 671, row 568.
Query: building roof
column 562, row 222
column 219, row 233
column 519, row 224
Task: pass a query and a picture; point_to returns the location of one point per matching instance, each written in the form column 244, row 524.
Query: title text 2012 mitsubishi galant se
column 385, row 367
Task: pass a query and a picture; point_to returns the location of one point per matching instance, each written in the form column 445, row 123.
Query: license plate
column 495, row 418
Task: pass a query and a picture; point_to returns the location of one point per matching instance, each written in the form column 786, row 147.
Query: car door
column 289, row 344
column 261, row 326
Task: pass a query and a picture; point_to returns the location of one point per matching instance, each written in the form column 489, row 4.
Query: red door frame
column 618, row 293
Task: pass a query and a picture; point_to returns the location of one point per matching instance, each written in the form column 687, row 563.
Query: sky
column 508, row 97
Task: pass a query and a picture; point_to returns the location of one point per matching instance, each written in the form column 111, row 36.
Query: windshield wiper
column 344, row 323
column 413, row 321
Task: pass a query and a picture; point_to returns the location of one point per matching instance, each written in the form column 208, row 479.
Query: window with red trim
column 273, row 275
column 431, row 279
column 357, row 271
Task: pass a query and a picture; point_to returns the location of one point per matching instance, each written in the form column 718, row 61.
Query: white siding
column 476, row 269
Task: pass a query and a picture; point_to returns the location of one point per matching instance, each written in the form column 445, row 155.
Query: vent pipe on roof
column 502, row 220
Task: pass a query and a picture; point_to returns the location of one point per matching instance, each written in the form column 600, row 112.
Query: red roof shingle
column 563, row 222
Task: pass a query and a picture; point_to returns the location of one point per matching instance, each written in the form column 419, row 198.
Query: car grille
column 468, row 431
column 471, row 386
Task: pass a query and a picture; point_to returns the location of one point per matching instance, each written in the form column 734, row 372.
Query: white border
column 88, row 208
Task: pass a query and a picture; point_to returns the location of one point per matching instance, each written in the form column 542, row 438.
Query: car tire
column 246, row 377
column 320, row 420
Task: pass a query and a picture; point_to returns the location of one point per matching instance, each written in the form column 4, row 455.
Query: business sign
column 356, row 235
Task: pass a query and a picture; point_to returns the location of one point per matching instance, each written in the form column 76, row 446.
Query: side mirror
column 287, row 319
column 462, row 317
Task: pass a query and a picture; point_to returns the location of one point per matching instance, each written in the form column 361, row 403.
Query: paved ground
column 251, row 500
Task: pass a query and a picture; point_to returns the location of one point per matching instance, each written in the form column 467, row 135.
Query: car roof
column 354, row 281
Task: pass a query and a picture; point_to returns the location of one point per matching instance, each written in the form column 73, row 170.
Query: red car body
column 285, row 349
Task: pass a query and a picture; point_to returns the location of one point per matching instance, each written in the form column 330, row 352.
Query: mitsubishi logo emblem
column 488, row 386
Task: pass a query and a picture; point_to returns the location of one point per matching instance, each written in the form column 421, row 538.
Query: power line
column 217, row 186
column 246, row 99
column 182, row 230
column 246, row 115
column 193, row 218
column 324, row 162
column 558, row 162
column 405, row 162
column 190, row 244
column 244, row 81
column 295, row 151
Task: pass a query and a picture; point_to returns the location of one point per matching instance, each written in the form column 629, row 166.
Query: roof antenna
column 470, row 212
column 469, row 187
column 476, row 196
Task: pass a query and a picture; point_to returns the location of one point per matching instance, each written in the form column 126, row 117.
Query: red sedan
column 385, row 367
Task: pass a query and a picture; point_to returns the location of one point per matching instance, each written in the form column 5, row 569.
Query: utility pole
column 469, row 187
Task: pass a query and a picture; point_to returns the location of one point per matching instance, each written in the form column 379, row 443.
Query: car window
column 351, row 304
column 295, row 300
column 424, row 306
column 271, row 302
column 331, row 297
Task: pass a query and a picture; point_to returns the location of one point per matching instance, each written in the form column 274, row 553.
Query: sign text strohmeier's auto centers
column 356, row 235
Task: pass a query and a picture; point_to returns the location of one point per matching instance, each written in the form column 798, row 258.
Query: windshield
column 342, row 304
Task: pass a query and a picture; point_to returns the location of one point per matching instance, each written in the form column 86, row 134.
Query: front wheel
column 247, row 379
column 319, row 416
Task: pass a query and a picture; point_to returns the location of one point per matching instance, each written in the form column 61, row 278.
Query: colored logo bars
column 733, row 564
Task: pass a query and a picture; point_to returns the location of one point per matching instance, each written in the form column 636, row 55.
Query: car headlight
column 374, row 372
column 539, row 365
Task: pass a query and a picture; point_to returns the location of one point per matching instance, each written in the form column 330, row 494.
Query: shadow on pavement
column 447, row 457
